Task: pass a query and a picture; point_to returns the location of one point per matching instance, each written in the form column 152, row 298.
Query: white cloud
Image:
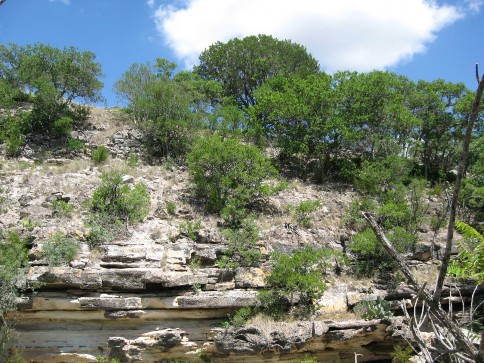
column 150, row 3
column 341, row 34
column 65, row 2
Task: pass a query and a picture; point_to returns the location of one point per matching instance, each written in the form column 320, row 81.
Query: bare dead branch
column 463, row 343
column 460, row 174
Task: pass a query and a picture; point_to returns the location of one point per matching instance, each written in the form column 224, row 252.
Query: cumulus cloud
column 341, row 34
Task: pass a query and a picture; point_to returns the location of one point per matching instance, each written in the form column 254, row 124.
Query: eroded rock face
column 156, row 294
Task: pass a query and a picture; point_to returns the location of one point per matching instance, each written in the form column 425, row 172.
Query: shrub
column 402, row 354
column 303, row 211
column 100, row 154
column 190, row 229
column 79, row 112
column 60, row 249
column 75, row 144
column 12, row 133
column 239, row 318
column 241, row 249
column 228, row 174
column 170, row 207
column 117, row 199
column 14, row 356
column 379, row 177
column 299, row 274
column 102, row 229
column 371, row 256
column 132, row 161
column 62, row 127
column 13, row 268
column 62, row 208
column 307, row 359
column 373, row 309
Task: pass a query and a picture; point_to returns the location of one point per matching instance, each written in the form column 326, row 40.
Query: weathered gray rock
column 246, row 340
column 110, row 302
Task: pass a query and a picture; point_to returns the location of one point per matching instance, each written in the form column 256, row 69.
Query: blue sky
column 421, row 39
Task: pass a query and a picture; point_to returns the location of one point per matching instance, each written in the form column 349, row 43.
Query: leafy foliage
column 13, row 268
column 165, row 107
column 242, row 65
column 103, row 228
column 297, row 275
column 228, row 174
column 303, row 212
column 117, row 199
column 100, row 154
column 470, row 260
column 190, row 229
column 402, row 354
column 373, row 309
column 242, row 249
column 52, row 78
column 239, row 318
column 60, row 250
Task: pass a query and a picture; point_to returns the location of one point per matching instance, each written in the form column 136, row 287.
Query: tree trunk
column 460, row 173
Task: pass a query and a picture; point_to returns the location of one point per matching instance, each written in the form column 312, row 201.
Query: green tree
column 436, row 105
column 297, row 112
column 166, row 107
column 51, row 79
column 228, row 174
column 373, row 114
column 242, row 65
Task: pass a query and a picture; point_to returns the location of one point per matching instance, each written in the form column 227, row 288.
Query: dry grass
column 337, row 316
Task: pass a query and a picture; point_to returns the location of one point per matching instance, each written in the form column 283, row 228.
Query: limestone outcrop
column 156, row 293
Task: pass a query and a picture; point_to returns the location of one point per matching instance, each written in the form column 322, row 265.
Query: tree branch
column 462, row 341
column 460, row 174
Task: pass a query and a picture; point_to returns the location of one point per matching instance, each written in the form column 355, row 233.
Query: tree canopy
column 242, row 65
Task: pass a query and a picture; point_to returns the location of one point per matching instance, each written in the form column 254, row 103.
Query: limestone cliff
column 156, row 294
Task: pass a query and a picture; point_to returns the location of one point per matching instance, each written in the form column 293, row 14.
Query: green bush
column 12, row 133
column 75, row 144
column 301, row 275
column 79, row 112
column 117, row 199
column 103, row 229
column 228, row 174
column 241, row 246
column 379, row 177
column 402, row 354
column 100, row 154
column 371, row 257
column 14, row 356
column 62, row 208
column 62, row 127
column 303, row 212
column 190, row 229
column 60, row 250
column 170, row 207
column 239, row 318
column 133, row 160
column 307, row 359
column 13, row 268
column 373, row 309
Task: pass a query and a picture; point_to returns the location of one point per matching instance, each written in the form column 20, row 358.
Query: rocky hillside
column 155, row 293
